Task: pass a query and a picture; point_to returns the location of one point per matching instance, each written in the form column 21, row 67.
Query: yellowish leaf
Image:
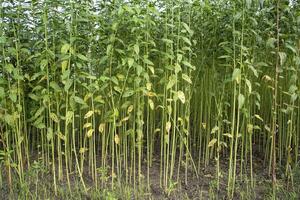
column 258, row 117
column 151, row 94
column 101, row 127
column 212, row 142
column 87, row 125
column 168, row 126
column 90, row 133
column 204, row 125
column 151, row 104
column 64, row 65
column 181, row 96
column 156, row 130
column 88, row 114
column 125, row 119
column 267, row 78
column 117, row 139
column 227, row 135
column 82, row 150
column 61, row 136
column 54, row 117
column 214, row 130
column 250, row 128
column 130, row 109
column 149, row 86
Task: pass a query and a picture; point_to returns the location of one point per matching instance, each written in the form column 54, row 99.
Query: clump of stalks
column 95, row 87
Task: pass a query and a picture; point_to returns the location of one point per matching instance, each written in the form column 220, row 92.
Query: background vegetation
column 104, row 96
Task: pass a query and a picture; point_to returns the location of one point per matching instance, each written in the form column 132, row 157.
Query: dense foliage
column 90, row 86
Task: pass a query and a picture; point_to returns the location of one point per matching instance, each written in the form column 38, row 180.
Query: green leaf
column 292, row 48
column 13, row 97
column 43, row 64
column 166, row 138
column 236, row 75
column 79, row 100
column 33, row 96
column 54, row 117
column 130, row 62
column 82, row 57
column 186, row 40
column 2, row 93
column 250, row 128
column 224, row 56
column 267, row 128
column 128, row 93
column 68, row 84
column 261, row 64
column 270, row 42
column 9, row 119
column 294, row 98
column 136, row 49
column 248, row 83
column 148, row 62
column 248, row 3
column 237, row 15
column 40, row 125
column 168, row 126
column 253, row 70
column 241, row 99
column 9, row 68
column 65, row 48
column 187, row 78
column 181, row 96
column 151, row 104
column 38, row 112
column 179, row 57
column 118, row 89
column 2, row 40
column 108, row 49
column 64, row 65
column 151, row 68
column 186, row 63
column 293, row 89
column 115, row 80
column 177, row 68
column 69, row 117
column 167, row 41
column 55, row 86
column 282, row 57
column 139, row 69
column 172, row 82
column 49, row 134
column 187, row 28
